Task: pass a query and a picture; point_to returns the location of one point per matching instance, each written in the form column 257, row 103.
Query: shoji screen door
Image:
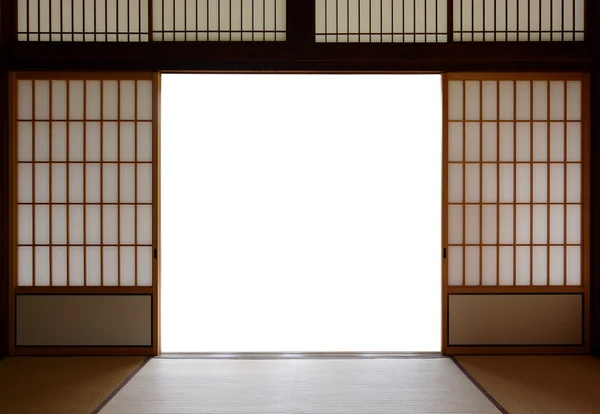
column 516, row 214
column 84, row 268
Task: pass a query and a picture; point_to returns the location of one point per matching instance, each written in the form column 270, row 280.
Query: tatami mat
column 65, row 385
column 539, row 384
column 310, row 386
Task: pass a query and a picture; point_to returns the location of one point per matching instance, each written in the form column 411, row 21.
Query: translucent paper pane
column 557, row 266
column 455, row 141
column 573, row 224
column 573, row 183
column 127, row 224
column 523, row 258
column 59, row 99
column 574, row 100
column 25, row 266
column 59, row 266
column 144, row 225
column 42, row 224
column 455, row 100
column 523, row 100
column 472, row 224
column 25, row 99
column 489, row 224
column 127, row 266
column 523, row 141
column 127, row 183
column 127, row 100
column 557, row 141
column 92, row 186
column 25, row 147
column 507, row 141
column 110, row 142
column 144, row 183
column 540, row 224
column 506, row 265
column 111, row 266
column 25, row 232
column 76, row 266
column 144, row 100
column 523, row 183
column 76, row 99
column 490, row 141
column 144, row 141
column 507, row 100
column 540, row 141
column 455, row 266
column 490, row 183
column 506, row 224
column 75, row 213
column 489, row 266
column 472, row 266
column 93, row 228
column 573, row 266
column 59, row 183
column 507, row 183
column 557, row 183
column 59, row 224
column 455, row 183
column 25, row 183
column 523, row 224
column 540, row 100
column 472, row 141
column 110, row 99
column 127, row 141
column 110, row 183
column 75, row 183
column 110, row 224
column 472, row 183
column 540, row 183
column 75, row 141
column 59, row 141
column 94, row 266
column 573, row 141
column 490, row 100
column 473, row 102
column 93, row 142
column 93, row 95
column 557, row 223
column 144, row 266
column 42, row 266
column 557, row 100
column 42, row 141
column 540, row 265
column 42, row 183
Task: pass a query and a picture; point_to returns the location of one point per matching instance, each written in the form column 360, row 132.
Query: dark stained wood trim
column 285, row 56
column 300, row 21
column 594, row 208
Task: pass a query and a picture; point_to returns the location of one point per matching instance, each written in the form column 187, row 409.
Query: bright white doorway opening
column 301, row 213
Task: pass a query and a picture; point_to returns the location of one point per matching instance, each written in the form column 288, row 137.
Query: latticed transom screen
column 515, row 176
column 84, row 177
column 219, row 20
column 381, row 21
column 519, row 20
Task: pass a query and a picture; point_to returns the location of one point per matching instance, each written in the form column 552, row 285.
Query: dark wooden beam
column 283, row 56
column 4, row 206
column 300, row 21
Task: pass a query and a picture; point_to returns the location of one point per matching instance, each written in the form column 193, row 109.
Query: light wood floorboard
column 319, row 386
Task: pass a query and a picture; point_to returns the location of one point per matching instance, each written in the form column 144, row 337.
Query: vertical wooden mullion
column 445, row 244
column 150, row 16
column 85, row 182
column 68, row 205
column 135, row 172
column 156, row 211
column 480, row 183
column 33, row 170
column 9, row 112
column 498, row 183
column 565, row 178
column 300, row 17
column 464, row 174
column 548, row 199
column 119, row 179
column 101, row 183
column 50, row 204
column 515, row 180
column 531, row 183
